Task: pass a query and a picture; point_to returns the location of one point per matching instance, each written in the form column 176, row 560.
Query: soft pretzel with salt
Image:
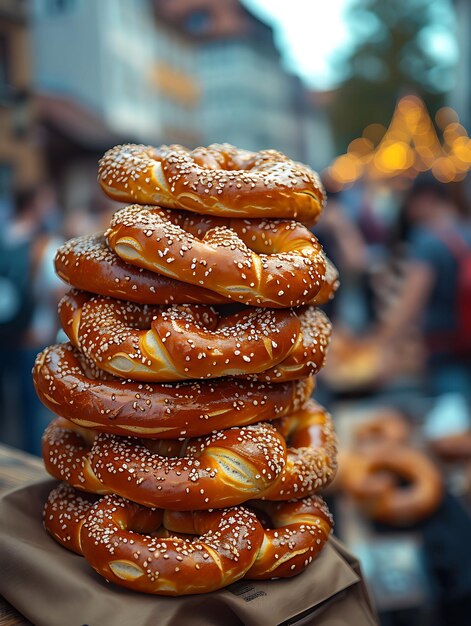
column 95, row 400
column 217, row 180
column 258, row 262
column 160, row 344
column 159, row 557
column 87, row 263
column 223, row 469
column 201, row 552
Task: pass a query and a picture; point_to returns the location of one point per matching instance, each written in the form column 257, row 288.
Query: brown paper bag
column 54, row 587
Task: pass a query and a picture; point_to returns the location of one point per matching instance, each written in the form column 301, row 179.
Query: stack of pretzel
column 189, row 450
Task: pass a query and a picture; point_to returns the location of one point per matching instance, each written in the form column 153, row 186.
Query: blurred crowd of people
column 31, row 232
column 404, row 304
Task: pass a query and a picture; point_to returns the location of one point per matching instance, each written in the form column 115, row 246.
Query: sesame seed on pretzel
column 217, row 180
column 87, row 263
column 258, row 262
column 65, row 384
column 295, row 533
column 222, row 469
column 311, row 461
column 159, row 344
column 176, row 553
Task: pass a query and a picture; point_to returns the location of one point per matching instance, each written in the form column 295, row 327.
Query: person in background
column 27, row 312
column 433, row 294
column 344, row 245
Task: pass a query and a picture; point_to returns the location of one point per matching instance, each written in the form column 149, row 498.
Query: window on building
column 4, row 62
column 198, row 22
column 6, row 192
column 57, row 7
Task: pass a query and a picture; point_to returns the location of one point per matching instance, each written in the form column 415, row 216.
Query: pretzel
column 295, row 533
column 373, row 480
column 256, row 262
column 159, row 344
column 455, row 447
column 158, row 557
column 217, row 180
column 223, row 469
column 117, row 541
column 387, row 426
column 66, row 386
column 311, row 461
column 87, row 263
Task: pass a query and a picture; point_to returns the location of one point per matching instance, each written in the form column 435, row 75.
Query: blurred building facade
column 248, row 98
column 116, row 58
column 185, row 71
column 20, row 159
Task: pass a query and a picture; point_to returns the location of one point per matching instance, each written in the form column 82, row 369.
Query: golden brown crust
column 276, row 263
column 87, row 263
column 66, row 455
column 223, row 469
column 311, row 461
column 65, row 386
column 64, row 513
column 117, row 543
column 159, row 556
column 159, row 344
column 295, row 534
column 218, row 180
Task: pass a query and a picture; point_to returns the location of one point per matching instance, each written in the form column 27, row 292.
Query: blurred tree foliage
column 392, row 55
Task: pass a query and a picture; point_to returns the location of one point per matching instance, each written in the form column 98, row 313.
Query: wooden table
column 16, row 468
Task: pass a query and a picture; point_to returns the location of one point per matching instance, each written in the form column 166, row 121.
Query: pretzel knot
column 222, row 469
column 66, row 386
column 295, row 533
column 159, row 344
column 174, row 553
column 218, row 180
column 311, row 461
column 87, row 263
column 256, row 262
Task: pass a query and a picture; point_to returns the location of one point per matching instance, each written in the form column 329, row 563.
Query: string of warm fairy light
column 409, row 145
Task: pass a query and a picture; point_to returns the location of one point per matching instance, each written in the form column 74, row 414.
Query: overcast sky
column 308, row 32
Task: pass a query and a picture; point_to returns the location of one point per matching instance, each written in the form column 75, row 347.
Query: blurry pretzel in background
column 374, row 478
column 218, row 180
column 387, row 426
